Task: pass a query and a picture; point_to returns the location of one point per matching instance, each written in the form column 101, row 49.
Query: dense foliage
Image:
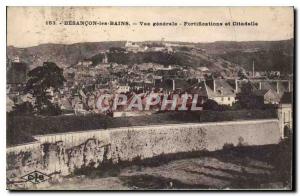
column 41, row 80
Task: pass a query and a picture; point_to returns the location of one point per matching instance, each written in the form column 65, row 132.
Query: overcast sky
column 26, row 26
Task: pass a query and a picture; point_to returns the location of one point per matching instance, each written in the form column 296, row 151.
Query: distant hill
column 221, row 47
column 187, row 57
column 63, row 55
column 221, row 55
column 264, row 60
column 267, row 55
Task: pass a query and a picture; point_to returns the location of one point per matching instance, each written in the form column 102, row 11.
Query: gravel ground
column 243, row 167
column 189, row 173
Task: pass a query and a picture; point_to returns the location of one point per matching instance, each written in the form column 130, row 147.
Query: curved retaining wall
column 63, row 153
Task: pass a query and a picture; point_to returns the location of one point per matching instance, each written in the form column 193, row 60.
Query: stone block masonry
column 66, row 152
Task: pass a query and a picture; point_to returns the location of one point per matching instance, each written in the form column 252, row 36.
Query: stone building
column 285, row 115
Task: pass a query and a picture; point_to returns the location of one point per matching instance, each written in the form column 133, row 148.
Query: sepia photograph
column 150, row 98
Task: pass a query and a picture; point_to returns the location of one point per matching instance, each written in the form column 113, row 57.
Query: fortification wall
column 64, row 153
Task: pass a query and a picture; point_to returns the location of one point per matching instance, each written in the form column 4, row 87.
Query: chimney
column 260, row 85
column 236, row 85
column 214, row 85
column 173, row 81
column 253, row 74
column 277, row 87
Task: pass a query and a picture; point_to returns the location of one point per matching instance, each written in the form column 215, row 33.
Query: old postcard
column 150, row 98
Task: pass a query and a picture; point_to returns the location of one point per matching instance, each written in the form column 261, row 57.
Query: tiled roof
column 222, row 88
column 16, row 73
column 260, row 92
column 198, row 88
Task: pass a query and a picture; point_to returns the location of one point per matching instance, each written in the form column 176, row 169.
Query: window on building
column 228, row 98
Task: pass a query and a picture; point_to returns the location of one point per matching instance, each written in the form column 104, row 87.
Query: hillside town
column 87, row 80
column 150, row 98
